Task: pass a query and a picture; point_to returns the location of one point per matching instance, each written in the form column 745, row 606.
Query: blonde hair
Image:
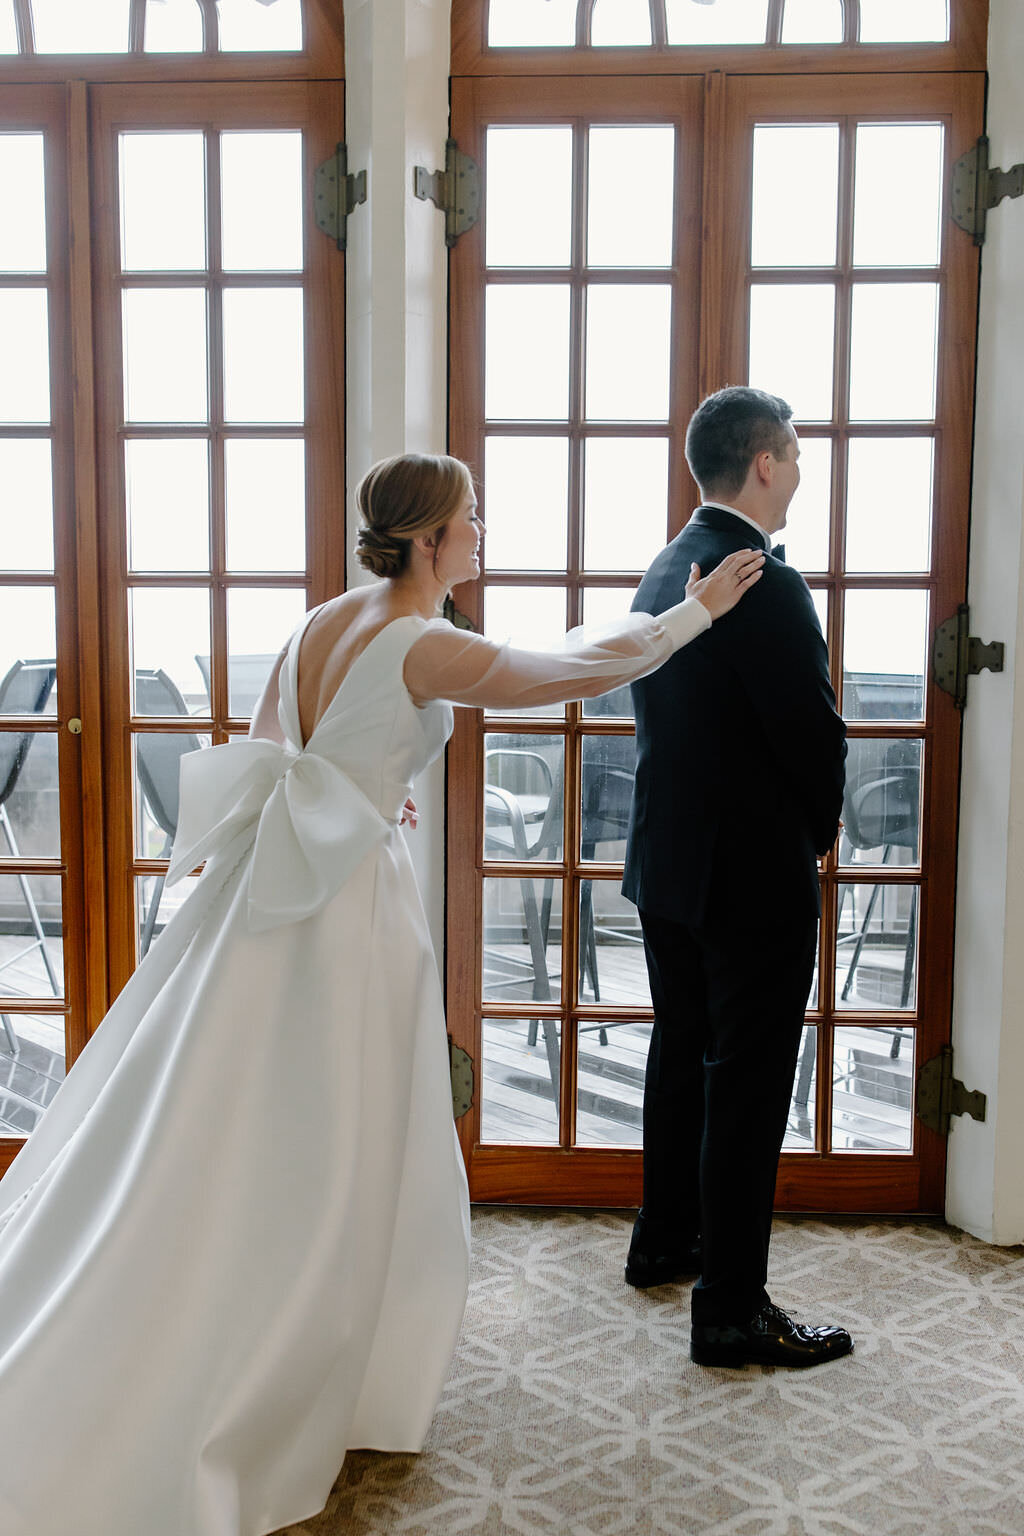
column 402, row 497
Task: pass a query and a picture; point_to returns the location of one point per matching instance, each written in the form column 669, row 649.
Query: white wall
column 985, row 1192
column 396, row 106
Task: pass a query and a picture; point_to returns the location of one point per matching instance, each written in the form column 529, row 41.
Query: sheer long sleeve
column 453, row 664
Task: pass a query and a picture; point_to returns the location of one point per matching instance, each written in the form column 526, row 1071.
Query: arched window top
column 133, row 27
column 600, row 24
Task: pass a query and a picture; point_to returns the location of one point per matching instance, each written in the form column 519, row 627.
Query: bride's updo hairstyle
column 403, row 497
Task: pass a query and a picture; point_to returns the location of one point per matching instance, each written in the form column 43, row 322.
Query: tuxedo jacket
column 740, row 750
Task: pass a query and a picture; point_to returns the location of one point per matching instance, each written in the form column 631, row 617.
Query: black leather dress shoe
column 647, row 1269
column 770, row 1338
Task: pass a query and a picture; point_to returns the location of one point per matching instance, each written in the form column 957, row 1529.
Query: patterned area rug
column 572, row 1408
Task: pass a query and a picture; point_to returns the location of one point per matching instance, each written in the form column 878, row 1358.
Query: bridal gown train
column 237, row 1243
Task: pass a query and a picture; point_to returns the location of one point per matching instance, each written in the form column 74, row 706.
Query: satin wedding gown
column 237, row 1243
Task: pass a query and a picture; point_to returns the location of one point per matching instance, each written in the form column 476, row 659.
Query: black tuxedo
column 739, row 786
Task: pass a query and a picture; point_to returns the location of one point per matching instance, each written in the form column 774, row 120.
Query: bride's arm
column 446, row 663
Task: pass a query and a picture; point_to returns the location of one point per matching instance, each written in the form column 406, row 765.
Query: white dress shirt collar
column 721, row 506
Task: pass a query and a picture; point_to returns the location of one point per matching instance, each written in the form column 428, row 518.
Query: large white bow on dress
column 312, row 824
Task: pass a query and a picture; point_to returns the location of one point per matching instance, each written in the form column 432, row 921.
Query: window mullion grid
column 219, row 700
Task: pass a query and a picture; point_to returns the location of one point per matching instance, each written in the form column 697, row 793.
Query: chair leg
column 861, row 937
column 12, row 1039
column 29, row 899
column 535, row 938
column 908, row 957
column 149, row 927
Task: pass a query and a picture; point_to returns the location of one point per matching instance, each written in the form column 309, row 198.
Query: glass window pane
column 611, row 1064
column 819, row 597
column 873, row 1090
column 165, row 354
column 625, row 502
column 608, row 766
column 893, row 351
column 806, row 533
column 524, row 779
column 261, row 202
column 527, row 352
column 25, row 359
column 68, row 26
column 26, row 506
column 531, row 24
column 31, row 827
column 612, row 964
column 540, row 158
column 31, row 939
column 155, row 905
column 883, row 655
column 642, row 157
column 601, row 606
column 32, row 1068
column 8, row 28
column 28, row 643
column 800, row 1127
column 791, row 345
column 522, row 955
column 173, row 26
column 526, row 497
column 252, row 26
column 167, row 491
column 170, row 628
column 812, row 21
column 726, row 21
column 260, row 619
column 628, row 345
column 23, row 227
column 882, row 802
column 904, row 21
column 263, row 355
column 163, row 202
column 889, row 504
column 519, row 1092
column 265, row 503
column 898, row 222
column 157, row 761
column 796, row 195
column 532, row 618
column 621, row 23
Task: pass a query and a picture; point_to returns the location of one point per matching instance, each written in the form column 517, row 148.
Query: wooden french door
column 684, row 233
column 219, row 347
column 171, row 499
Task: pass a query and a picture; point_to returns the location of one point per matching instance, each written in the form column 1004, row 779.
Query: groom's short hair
column 728, row 430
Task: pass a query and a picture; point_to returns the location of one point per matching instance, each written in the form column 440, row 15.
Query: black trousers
column 729, row 1002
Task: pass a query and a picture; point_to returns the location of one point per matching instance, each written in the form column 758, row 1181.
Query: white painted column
column 397, row 56
column 985, row 1192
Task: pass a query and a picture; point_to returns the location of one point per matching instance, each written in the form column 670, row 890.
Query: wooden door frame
column 557, row 1175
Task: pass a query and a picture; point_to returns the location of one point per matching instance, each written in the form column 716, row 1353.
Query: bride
column 237, row 1243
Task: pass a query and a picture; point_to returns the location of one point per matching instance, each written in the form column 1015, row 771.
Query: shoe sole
column 735, row 1359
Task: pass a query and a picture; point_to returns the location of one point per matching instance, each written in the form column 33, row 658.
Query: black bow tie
column 779, row 552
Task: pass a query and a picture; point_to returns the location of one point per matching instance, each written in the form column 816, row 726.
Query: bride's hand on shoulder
column 727, row 583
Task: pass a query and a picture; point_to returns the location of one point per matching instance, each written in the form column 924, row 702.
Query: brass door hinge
column 336, row 192
column 940, row 1095
column 461, row 1068
column 976, row 188
column 455, row 190
column 957, row 655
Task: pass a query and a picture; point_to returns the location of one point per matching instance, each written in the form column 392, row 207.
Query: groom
column 739, row 785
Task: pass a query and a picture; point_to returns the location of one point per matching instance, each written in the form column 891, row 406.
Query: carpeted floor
column 572, row 1408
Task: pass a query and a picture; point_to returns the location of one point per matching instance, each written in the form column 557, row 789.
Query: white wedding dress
column 237, row 1243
